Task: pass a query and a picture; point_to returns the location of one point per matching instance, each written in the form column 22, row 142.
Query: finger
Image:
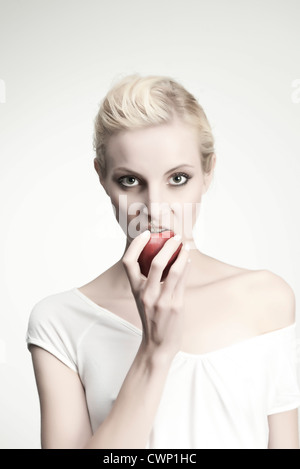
column 130, row 258
column 161, row 260
column 176, row 277
column 179, row 290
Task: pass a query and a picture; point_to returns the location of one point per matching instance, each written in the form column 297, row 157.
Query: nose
column 156, row 207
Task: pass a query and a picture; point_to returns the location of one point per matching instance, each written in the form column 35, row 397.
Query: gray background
column 57, row 60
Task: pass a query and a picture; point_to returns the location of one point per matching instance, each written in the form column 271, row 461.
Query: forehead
column 161, row 146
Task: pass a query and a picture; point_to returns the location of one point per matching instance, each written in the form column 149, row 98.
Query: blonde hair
column 136, row 101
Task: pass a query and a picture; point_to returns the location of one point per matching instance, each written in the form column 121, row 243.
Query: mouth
column 154, row 229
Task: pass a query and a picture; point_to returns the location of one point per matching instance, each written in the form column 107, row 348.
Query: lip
column 157, row 228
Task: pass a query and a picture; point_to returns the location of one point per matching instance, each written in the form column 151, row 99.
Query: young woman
column 203, row 359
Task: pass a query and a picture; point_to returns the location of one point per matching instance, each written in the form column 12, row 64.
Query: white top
column 215, row 400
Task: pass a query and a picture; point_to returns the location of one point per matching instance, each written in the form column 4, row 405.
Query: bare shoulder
column 264, row 299
column 270, row 298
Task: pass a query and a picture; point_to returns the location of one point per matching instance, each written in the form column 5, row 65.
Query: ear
column 101, row 178
column 97, row 167
column 208, row 176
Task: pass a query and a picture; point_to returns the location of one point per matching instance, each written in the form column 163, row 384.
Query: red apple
column 154, row 245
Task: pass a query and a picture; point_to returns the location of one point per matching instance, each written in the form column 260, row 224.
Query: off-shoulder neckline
column 135, row 329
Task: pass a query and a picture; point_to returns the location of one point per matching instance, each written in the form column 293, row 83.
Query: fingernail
column 187, row 246
column 177, row 237
column 145, row 234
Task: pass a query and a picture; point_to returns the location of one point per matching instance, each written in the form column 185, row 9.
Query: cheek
column 126, row 208
column 187, row 211
column 185, row 217
column 120, row 204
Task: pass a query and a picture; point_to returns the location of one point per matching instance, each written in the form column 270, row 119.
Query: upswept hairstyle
column 135, row 102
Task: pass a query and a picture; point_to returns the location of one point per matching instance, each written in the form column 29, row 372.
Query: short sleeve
column 284, row 386
column 47, row 330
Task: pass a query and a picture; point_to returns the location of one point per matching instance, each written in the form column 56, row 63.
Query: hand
column 160, row 305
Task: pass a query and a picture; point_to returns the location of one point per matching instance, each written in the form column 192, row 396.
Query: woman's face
column 154, row 178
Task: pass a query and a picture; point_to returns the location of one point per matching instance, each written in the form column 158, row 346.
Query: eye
column 128, row 181
column 180, row 179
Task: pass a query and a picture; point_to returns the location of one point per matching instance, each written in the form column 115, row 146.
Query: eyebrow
column 122, row 168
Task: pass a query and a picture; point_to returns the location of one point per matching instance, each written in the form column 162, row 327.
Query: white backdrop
column 57, row 60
